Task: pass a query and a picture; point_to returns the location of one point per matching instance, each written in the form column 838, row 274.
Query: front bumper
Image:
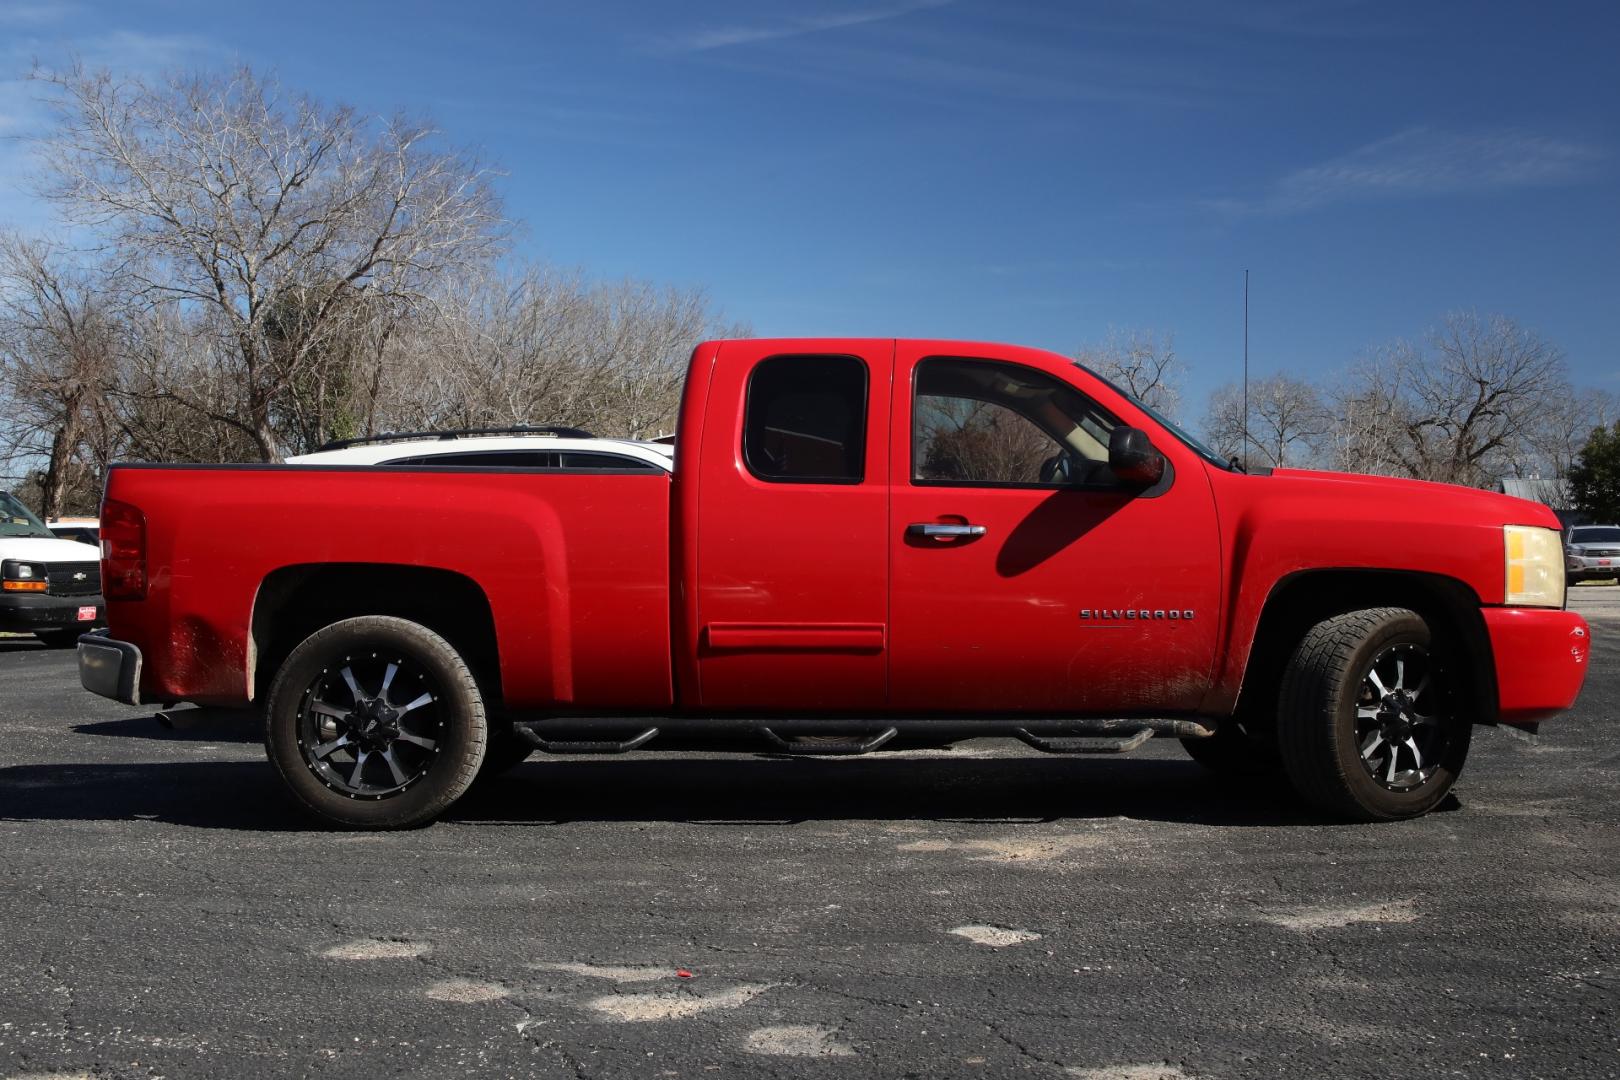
column 23, row 613
column 1541, row 660
column 1585, row 566
column 110, row 668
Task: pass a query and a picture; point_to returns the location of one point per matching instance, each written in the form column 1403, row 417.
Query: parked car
column 49, row 587
column 497, row 448
column 1592, row 552
column 861, row 540
column 84, row 530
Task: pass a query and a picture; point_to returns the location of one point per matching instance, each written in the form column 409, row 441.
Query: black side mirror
column 1132, row 457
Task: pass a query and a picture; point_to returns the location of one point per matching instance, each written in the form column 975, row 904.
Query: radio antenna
column 1245, row 369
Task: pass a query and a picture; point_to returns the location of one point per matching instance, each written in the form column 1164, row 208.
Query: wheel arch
column 292, row 602
column 1302, row 599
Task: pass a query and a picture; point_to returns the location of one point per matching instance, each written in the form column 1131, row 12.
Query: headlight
column 1535, row 566
column 19, row 576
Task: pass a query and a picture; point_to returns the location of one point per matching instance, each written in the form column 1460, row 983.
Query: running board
column 844, row 736
column 824, row 746
column 1121, row 744
column 586, row 746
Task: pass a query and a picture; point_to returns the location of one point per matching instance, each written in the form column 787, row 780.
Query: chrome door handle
column 935, row 530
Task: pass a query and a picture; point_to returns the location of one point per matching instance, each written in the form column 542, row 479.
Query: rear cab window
column 804, row 421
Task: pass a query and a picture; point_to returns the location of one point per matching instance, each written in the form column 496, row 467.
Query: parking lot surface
column 982, row 911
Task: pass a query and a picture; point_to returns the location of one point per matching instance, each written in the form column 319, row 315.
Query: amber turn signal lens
column 23, row 586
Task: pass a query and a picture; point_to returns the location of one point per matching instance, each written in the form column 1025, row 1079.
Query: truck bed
column 574, row 568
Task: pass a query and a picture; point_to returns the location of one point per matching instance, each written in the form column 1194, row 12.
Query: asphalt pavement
column 982, row 911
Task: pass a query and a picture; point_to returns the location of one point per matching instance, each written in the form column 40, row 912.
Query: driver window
column 985, row 423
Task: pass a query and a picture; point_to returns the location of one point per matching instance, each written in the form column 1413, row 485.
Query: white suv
column 553, row 449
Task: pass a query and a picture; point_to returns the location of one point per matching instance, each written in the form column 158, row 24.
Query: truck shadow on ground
column 247, row 795
column 182, row 725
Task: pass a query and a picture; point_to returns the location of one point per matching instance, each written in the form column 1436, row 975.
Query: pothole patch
column 465, row 991
column 610, row 972
column 797, row 1040
column 376, row 949
column 997, row 937
column 1331, row 918
column 1033, row 850
column 1130, row 1072
column 641, row 1008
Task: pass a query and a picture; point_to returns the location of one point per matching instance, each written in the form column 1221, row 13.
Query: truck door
column 792, row 566
column 1025, row 577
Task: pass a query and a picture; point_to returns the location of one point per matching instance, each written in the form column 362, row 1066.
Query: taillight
column 123, row 551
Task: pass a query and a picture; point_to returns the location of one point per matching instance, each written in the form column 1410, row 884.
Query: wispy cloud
column 723, row 37
column 1421, row 162
column 15, row 13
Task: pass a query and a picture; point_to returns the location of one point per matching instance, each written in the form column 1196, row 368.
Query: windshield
column 1197, row 447
column 17, row 521
column 1596, row 536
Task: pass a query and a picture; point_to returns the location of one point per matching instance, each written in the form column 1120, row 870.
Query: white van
column 49, row 587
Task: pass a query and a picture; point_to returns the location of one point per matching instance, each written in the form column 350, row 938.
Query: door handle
column 936, row 530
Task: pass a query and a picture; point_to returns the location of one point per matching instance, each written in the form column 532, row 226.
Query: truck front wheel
column 1368, row 721
column 375, row 723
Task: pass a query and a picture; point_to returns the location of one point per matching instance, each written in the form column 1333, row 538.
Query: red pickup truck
column 863, row 543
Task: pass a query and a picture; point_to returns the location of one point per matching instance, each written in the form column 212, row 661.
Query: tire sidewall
column 465, row 730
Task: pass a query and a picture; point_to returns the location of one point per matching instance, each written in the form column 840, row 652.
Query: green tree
column 1594, row 479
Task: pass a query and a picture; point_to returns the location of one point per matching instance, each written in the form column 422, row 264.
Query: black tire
column 1235, row 752
column 1347, row 674
column 438, row 751
column 58, row 639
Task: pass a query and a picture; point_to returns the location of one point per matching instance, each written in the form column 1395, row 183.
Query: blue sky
column 993, row 169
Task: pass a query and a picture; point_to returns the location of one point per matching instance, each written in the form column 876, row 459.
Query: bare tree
column 547, row 347
column 58, row 345
column 1463, row 408
column 1287, row 422
column 1565, row 424
column 218, row 196
column 1140, row 362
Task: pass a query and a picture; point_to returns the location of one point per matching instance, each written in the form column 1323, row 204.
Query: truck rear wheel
column 375, row 723
column 1368, row 723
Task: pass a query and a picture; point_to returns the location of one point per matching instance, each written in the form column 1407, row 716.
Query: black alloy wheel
column 375, row 723
column 1373, row 723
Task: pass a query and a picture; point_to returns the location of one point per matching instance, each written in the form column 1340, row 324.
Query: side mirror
column 1132, row 458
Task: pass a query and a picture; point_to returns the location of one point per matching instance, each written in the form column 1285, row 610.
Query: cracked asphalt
column 984, row 911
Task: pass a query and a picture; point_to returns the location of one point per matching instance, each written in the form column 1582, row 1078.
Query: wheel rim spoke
column 1374, row 741
column 425, row 699
column 388, row 680
column 354, row 687
column 1417, row 755
column 329, row 710
column 393, row 766
column 417, row 740
column 1378, row 684
column 327, row 748
column 357, row 778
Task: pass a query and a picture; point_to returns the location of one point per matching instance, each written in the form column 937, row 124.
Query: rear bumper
column 1541, row 659
column 23, row 613
column 110, row 668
